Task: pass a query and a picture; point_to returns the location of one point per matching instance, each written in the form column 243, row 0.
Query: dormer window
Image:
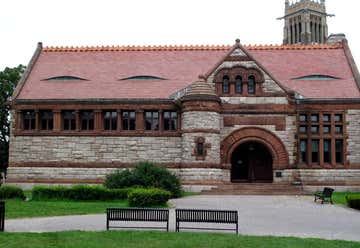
column 238, row 85
column 251, row 85
column 226, row 85
column 65, row 78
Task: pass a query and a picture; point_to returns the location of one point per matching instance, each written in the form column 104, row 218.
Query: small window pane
column 303, row 118
column 251, row 85
column 29, row 119
column 46, row 120
column 315, row 151
column 303, row 129
column 315, row 129
column 315, row 118
column 338, row 129
column 339, row 151
column 326, row 129
column 303, row 151
column 327, row 151
column 326, row 118
column 238, row 85
column 226, row 85
column 338, row 117
column 200, row 149
column 69, row 120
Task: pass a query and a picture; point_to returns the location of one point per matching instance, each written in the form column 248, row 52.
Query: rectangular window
column 327, row 129
column 303, row 118
column 29, row 119
column 69, row 120
column 303, row 151
column 338, row 118
column 46, row 120
column 303, row 129
column 110, row 120
column 151, row 120
column 128, row 120
column 326, row 118
column 315, row 118
column 315, row 151
column 87, row 120
column 315, row 129
column 339, row 129
column 327, row 151
column 339, row 151
column 170, row 120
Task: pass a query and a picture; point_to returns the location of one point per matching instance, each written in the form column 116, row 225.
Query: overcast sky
column 152, row 22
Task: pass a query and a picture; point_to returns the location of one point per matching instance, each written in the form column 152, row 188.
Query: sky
column 24, row 23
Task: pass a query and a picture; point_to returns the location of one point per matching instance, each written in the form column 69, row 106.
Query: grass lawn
column 22, row 209
column 339, row 197
column 139, row 239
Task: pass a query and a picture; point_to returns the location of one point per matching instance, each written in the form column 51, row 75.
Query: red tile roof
column 180, row 65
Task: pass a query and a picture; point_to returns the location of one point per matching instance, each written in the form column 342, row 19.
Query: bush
column 148, row 197
column 78, row 193
column 9, row 192
column 353, row 201
column 145, row 174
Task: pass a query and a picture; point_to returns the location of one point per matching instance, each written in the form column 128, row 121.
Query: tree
column 9, row 78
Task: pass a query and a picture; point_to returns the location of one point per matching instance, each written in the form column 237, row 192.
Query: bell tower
column 305, row 22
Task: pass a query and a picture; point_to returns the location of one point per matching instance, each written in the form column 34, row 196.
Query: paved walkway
column 258, row 215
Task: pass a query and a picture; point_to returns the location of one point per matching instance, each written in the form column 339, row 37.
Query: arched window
column 226, row 85
column 238, row 85
column 251, row 85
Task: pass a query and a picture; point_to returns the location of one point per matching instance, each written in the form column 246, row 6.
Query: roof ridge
column 187, row 48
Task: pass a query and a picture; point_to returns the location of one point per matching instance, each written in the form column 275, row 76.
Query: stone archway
column 280, row 157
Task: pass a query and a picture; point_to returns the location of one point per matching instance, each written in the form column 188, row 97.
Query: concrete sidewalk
column 258, row 215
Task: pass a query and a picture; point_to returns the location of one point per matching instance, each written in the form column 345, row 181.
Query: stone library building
column 273, row 115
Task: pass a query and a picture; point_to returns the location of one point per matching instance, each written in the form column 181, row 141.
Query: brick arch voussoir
column 270, row 140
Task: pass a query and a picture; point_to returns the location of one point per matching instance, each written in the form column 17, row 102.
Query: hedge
column 353, row 201
column 148, row 197
column 78, row 193
column 9, row 192
column 147, row 175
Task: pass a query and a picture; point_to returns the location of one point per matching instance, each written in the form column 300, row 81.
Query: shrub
column 353, row 201
column 148, row 197
column 78, row 193
column 145, row 174
column 9, row 192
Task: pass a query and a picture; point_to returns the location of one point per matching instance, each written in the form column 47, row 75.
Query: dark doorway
column 251, row 162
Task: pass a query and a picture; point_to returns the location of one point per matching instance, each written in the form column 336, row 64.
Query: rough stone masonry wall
column 287, row 136
column 94, row 149
column 353, row 130
column 200, row 120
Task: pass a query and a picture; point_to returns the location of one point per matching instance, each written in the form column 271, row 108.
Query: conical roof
column 200, row 89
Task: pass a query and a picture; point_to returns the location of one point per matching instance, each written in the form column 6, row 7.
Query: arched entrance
column 251, row 162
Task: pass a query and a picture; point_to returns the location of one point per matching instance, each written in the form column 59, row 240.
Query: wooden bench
column 206, row 216
column 2, row 216
column 325, row 196
column 137, row 214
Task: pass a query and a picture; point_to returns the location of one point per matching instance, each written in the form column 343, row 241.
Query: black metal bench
column 206, row 216
column 325, row 196
column 137, row 214
column 2, row 216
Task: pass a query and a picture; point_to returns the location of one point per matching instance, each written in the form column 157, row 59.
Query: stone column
column 57, row 120
column 98, row 120
column 140, row 125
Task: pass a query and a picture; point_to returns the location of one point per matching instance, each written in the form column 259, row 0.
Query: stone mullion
column 19, row 121
column 98, row 123
column 77, row 120
column 119, row 120
column 345, row 136
column 161, row 120
column 57, row 120
column 140, row 120
column 37, row 120
column 333, row 155
column 321, row 141
column 309, row 153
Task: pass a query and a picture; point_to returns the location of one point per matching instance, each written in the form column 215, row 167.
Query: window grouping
column 321, row 138
column 239, row 85
column 112, row 120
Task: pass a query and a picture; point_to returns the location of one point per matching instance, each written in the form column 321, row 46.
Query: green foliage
column 145, row 174
column 148, row 197
column 78, row 193
column 8, row 81
column 11, row 192
column 353, row 201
